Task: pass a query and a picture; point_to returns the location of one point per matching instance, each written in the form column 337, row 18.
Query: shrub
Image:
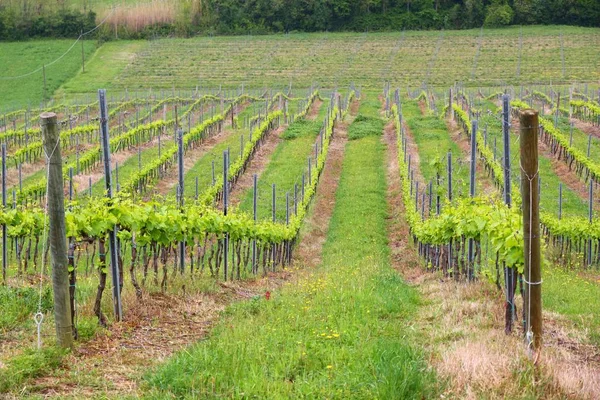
column 498, row 15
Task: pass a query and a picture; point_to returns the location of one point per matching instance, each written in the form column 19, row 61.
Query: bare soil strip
column 412, row 150
column 587, row 127
column 81, row 182
column 313, row 113
column 169, row 180
column 309, row 250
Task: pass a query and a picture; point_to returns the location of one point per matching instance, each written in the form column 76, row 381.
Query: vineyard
column 256, row 238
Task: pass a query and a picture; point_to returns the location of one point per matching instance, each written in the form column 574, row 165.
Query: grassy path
column 287, row 163
column 341, row 331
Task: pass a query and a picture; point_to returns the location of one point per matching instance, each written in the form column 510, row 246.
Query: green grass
column 573, row 205
column 27, row 365
column 575, row 297
column 434, row 142
column 103, row 67
column 288, row 162
column 580, row 139
column 235, row 60
column 231, row 61
column 203, row 167
column 21, row 58
column 367, row 122
column 342, row 331
column 18, row 304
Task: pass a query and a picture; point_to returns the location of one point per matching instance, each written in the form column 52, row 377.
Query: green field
column 22, row 78
column 329, row 59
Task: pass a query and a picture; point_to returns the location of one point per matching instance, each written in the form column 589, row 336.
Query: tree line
column 22, row 19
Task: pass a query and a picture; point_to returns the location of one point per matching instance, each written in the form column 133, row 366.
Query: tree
column 498, row 15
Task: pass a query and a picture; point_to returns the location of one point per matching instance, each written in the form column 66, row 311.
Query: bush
column 64, row 23
column 498, row 15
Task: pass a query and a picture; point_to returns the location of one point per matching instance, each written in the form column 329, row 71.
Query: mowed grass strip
column 433, row 141
column 340, row 331
column 288, row 162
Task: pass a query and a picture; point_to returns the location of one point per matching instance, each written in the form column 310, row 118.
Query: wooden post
column 58, row 236
column 531, row 230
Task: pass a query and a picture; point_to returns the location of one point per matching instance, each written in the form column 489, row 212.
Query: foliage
column 20, row 19
column 16, row 24
column 498, row 15
column 480, row 218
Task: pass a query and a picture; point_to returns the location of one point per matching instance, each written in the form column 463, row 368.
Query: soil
column 314, row 110
column 169, row 180
column 587, row 128
column 412, row 150
column 560, row 168
column 81, row 182
column 309, row 250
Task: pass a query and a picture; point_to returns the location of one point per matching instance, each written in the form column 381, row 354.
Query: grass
column 367, row 122
column 580, row 138
column 21, row 58
column 340, row 332
column 288, row 162
column 237, row 60
column 574, row 296
column 103, row 68
column 128, row 168
column 434, row 142
column 233, row 61
column 202, row 169
column 573, row 205
column 30, row 364
column 18, row 304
